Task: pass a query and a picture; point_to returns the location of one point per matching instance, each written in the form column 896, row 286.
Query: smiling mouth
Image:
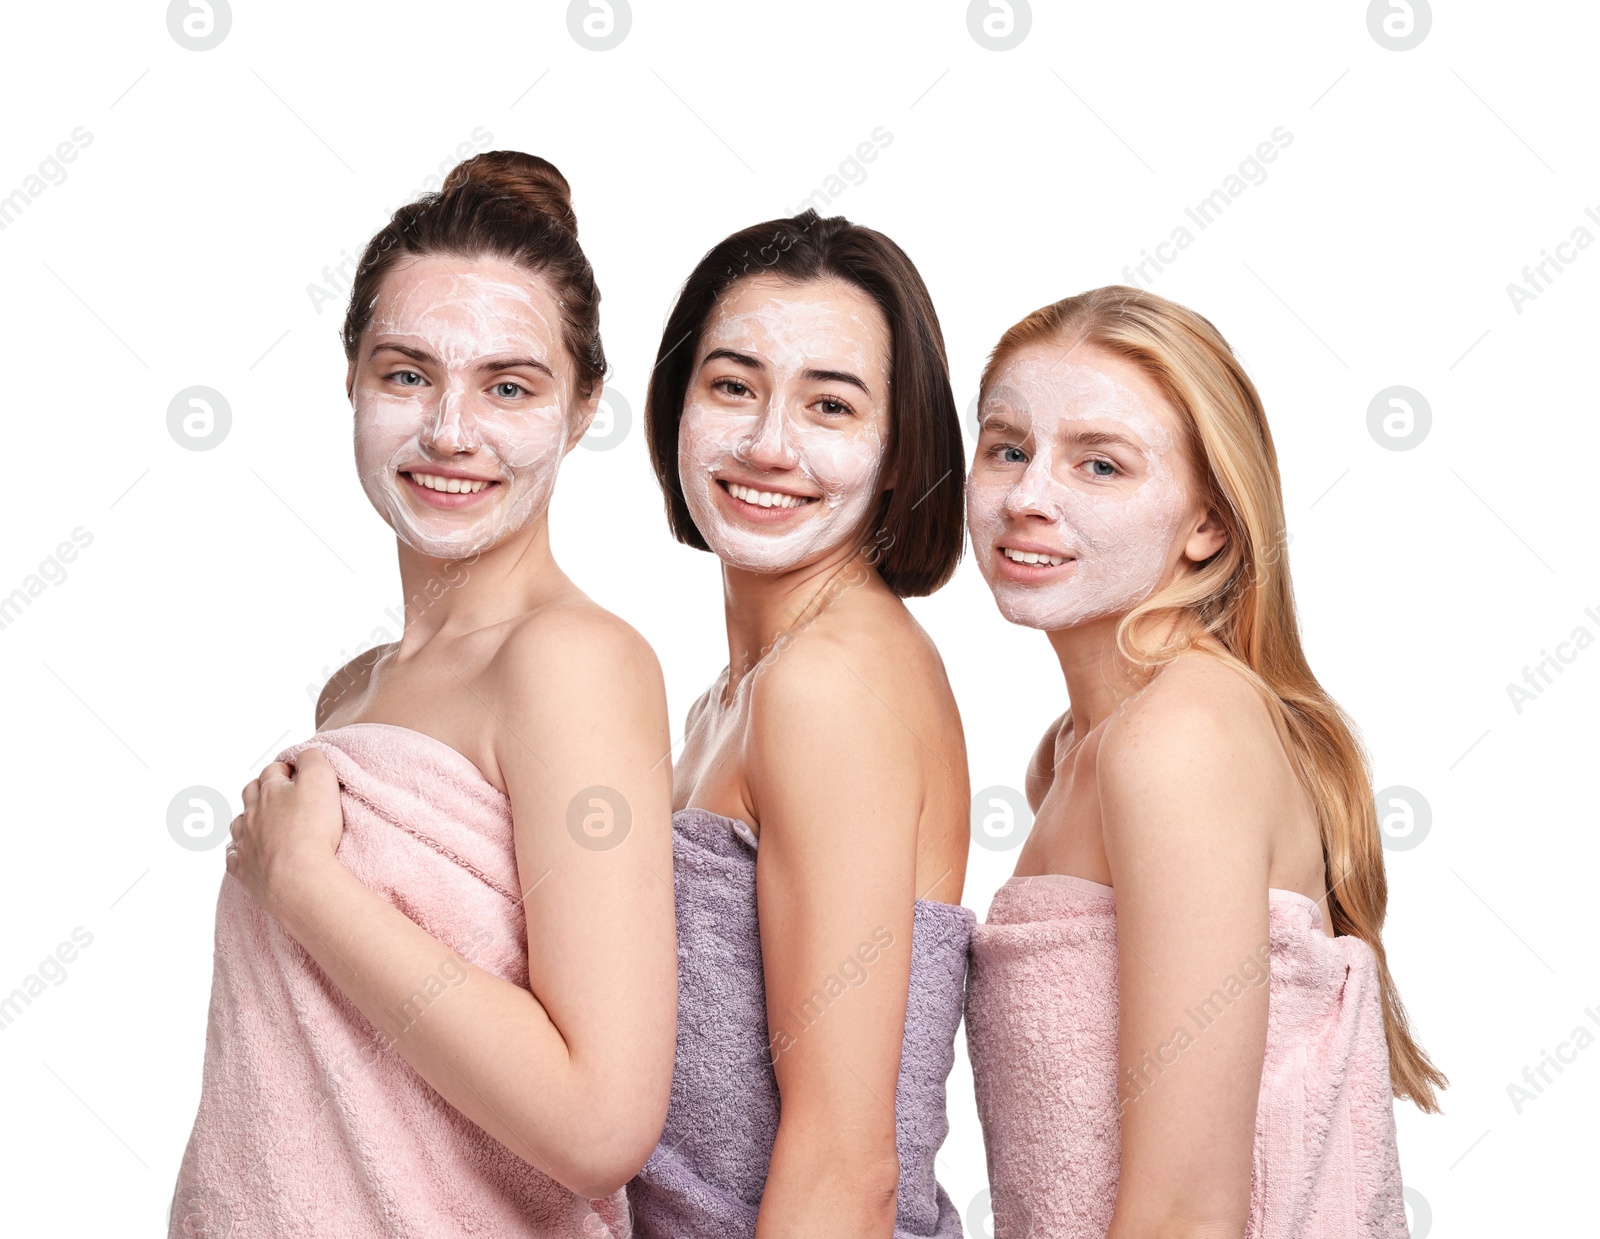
column 1036, row 558
column 449, row 486
column 765, row 498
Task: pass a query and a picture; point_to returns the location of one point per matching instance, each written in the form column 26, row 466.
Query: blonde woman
column 1180, row 1016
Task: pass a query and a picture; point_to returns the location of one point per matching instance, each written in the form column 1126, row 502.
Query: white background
column 220, row 584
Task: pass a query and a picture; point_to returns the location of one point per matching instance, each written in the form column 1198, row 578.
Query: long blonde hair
column 1241, row 604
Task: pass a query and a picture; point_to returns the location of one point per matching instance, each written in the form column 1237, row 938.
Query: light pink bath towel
column 1042, row 1035
column 310, row 1122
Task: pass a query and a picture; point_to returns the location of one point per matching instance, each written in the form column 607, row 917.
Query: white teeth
column 764, row 498
column 450, row 486
column 1031, row 557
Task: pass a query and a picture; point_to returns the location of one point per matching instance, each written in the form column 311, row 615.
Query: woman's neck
column 1099, row 676
column 449, row 597
column 760, row 607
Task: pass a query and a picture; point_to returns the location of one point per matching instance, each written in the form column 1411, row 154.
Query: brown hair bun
column 536, row 184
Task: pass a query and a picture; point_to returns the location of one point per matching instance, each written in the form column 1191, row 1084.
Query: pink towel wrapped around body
column 1042, row 1033
column 310, row 1121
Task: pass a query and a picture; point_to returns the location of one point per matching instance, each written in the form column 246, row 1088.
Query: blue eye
column 1102, row 468
column 407, row 378
column 1013, row 456
column 509, row 390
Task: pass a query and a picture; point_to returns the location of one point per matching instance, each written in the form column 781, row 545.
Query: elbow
column 862, row 1176
column 605, row 1162
column 879, row 1185
column 598, row 1181
column 609, row 1145
column 871, row 1178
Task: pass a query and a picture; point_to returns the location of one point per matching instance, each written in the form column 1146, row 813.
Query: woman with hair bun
column 444, row 994
column 1180, row 1013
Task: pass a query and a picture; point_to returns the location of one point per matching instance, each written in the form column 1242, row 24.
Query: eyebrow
column 811, row 375
column 998, row 425
column 491, row 363
column 738, row 359
column 1103, row 438
column 836, row 376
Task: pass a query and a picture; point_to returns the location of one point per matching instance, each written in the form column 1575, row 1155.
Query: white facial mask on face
column 780, row 441
column 460, row 317
column 1117, row 532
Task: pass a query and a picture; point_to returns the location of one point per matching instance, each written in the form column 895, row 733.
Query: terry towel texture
column 705, row 1179
column 1042, row 1035
column 310, row 1122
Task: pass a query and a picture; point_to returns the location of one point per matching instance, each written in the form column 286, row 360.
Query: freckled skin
column 776, row 424
column 465, row 315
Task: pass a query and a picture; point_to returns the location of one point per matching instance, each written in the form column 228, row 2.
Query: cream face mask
column 461, row 403
column 1076, row 496
column 779, row 454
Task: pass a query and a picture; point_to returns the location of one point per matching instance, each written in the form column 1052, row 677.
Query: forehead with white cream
column 1058, row 390
column 466, row 309
column 818, row 325
column 1053, row 418
column 803, row 338
column 468, row 325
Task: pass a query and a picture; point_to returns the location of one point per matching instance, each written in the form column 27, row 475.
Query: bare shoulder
column 879, row 655
column 574, row 647
column 1195, row 743
column 349, row 681
column 808, row 672
column 1197, row 706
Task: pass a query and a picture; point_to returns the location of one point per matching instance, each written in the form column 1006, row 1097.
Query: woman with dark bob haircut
column 803, row 429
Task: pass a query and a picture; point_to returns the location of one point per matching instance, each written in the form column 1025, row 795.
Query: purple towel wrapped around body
column 706, row 1176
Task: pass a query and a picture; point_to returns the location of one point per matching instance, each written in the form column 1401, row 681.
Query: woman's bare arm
column 1187, row 836
column 576, row 1075
column 834, row 774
